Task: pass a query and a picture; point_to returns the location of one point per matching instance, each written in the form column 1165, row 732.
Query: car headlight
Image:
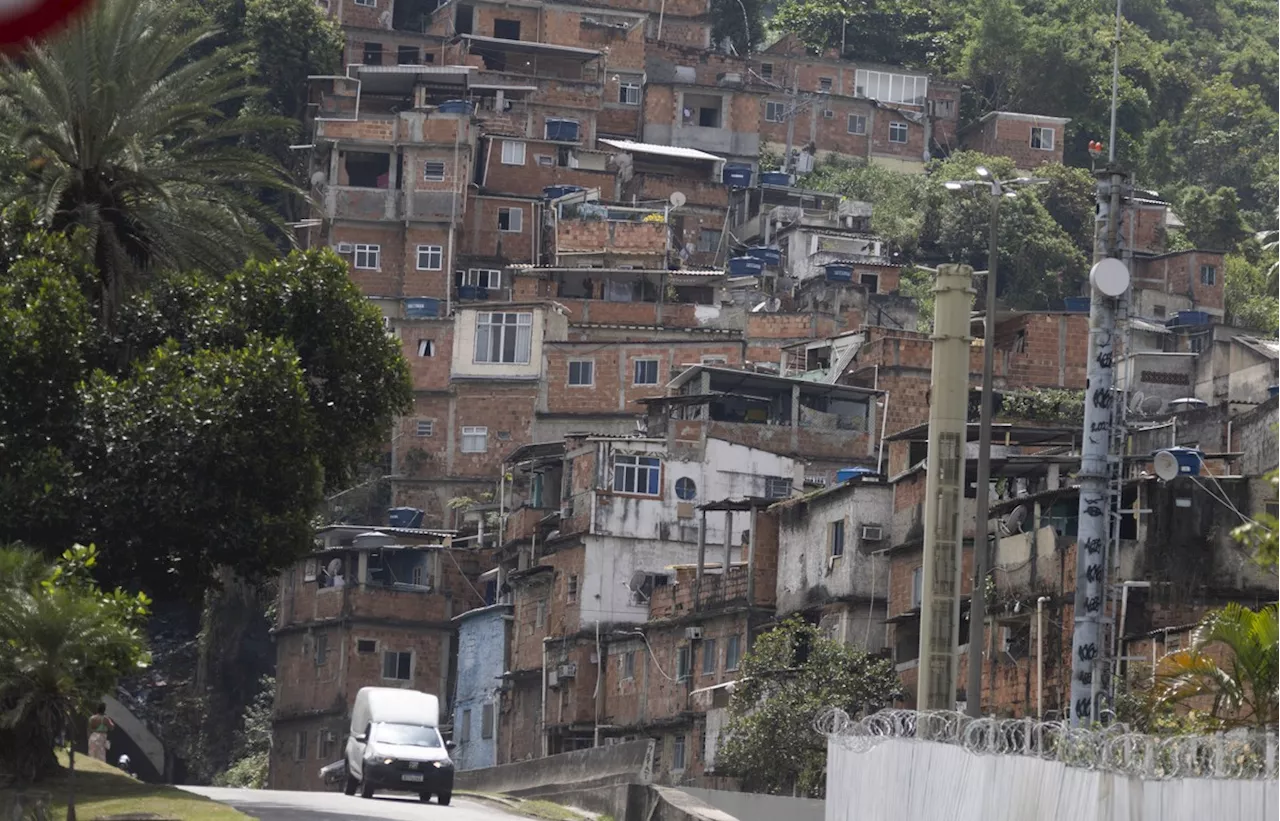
column 388, row 761
column 437, row 764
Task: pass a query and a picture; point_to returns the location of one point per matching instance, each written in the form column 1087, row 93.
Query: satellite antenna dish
column 1012, row 523
column 1166, row 465
column 678, row 199
column 318, row 178
column 1110, row 276
column 637, row 580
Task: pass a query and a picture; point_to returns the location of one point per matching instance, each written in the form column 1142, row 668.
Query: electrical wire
column 1225, row 499
column 652, row 654
column 463, row 573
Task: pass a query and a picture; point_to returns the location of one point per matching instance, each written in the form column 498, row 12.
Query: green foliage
column 742, row 22
column 1045, row 237
column 1260, row 535
column 126, row 136
column 201, row 433
column 791, row 674
column 1043, row 405
column 1250, row 290
column 917, row 283
column 1214, row 220
column 1233, row 664
column 65, row 643
column 253, row 743
column 876, row 30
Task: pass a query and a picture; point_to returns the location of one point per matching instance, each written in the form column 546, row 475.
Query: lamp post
column 998, row 189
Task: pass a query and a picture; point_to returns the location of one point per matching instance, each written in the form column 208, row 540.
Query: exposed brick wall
column 1180, row 273
column 613, row 387
column 610, row 236
column 1011, row 137
column 531, row 177
column 483, row 239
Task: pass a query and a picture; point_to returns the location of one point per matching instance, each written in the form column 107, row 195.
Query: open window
column 367, row 169
column 704, row 110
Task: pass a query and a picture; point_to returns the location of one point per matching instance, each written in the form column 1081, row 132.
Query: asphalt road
column 278, row 805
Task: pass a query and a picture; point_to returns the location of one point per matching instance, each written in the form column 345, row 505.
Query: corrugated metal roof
column 661, row 150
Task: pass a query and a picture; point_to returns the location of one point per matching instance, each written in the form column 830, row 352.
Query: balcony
column 353, row 203
column 612, row 236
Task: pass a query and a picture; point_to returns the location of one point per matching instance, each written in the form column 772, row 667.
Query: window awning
column 674, row 152
column 528, row 47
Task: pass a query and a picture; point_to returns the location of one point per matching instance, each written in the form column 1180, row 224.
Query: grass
column 104, row 790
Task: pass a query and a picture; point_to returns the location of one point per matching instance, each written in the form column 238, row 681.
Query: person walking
column 99, row 726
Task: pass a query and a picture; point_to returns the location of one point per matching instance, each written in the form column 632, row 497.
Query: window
column 857, row 124
column 677, row 753
column 475, row 439
column 871, row 282
column 373, row 4
column 708, row 239
column 629, row 93
column 504, row 337
column 506, row 29
column 488, row 278
column 775, row 112
column 372, row 54
column 1042, row 138
column 300, row 745
column 511, row 220
column 709, row 657
column 836, row 539
column 426, row 347
column 1172, row 642
column 898, row 133
column 465, row 734
column 322, row 648
column 636, row 474
column 891, row 88
column 324, row 745
column 686, row 490
column 582, row 373
column 545, row 160
column 1157, row 311
column 682, row 664
column 571, row 588
column 1208, row 275
column 397, row 666
column 426, row 427
column 561, row 130
column 364, row 646
column 824, row 85
column 368, row 257
column 732, row 652
column 766, row 71
column 407, row 55
column 629, row 664
column 512, row 152
column 714, row 360
column 430, row 258
column 433, row 171
column 917, row 587
column 777, row 487
column 542, row 613
column 486, row 721
column 646, row 372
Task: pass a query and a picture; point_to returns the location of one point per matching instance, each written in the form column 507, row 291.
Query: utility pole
column 793, row 108
column 1108, row 279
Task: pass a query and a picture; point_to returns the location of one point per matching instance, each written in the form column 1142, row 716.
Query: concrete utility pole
column 944, row 489
column 1108, row 279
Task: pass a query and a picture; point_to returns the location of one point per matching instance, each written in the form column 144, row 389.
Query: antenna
column 1012, row 523
column 1166, row 465
column 678, row 199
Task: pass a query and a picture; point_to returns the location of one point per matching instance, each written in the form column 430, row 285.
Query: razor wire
column 1238, row 754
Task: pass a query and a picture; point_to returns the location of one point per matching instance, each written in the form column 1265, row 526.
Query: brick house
column 1030, row 140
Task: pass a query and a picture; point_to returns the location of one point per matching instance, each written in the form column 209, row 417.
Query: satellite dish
column 678, row 199
column 1110, row 276
column 637, row 580
column 1013, row 522
column 318, row 178
column 1166, row 465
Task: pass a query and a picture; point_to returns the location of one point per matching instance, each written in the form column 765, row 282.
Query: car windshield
column 408, row 734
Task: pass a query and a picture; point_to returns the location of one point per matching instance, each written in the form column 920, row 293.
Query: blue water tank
column 422, row 308
column 839, row 273
column 454, row 107
column 767, row 255
column 1189, row 460
column 405, row 517
column 737, row 176
column 845, row 474
column 1077, row 304
column 745, row 266
column 1189, row 318
column 775, row 178
column 1273, row 391
column 552, row 192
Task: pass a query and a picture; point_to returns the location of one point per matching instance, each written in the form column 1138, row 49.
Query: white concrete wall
column 804, row 551
column 609, row 562
column 464, row 347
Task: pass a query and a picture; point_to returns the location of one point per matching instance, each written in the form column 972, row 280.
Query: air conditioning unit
column 569, row 670
column 345, row 248
column 693, row 633
column 872, row 533
column 827, row 114
column 553, row 680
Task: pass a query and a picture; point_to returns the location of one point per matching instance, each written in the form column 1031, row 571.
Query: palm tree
column 1242, row 688
column 122, row 121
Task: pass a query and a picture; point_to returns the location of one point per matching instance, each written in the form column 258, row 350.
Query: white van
column 395, row 744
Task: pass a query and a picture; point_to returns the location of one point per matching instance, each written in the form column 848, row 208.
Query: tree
column 1262, row 534
column 1232, row 664
column 200, row 434
column 1213, row 221
column 253, row 742
column 65, row 643
column 125, row 136
column 1249, row 291
column 903, row 32
column 742, row 21
column 791, row 674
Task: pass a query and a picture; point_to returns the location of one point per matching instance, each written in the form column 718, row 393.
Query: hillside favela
column 644, row 410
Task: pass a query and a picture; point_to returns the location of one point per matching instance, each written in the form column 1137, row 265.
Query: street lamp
column 997, row 190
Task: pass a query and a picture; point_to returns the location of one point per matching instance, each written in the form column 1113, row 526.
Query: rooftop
column 753, row 380
column 674, row 152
